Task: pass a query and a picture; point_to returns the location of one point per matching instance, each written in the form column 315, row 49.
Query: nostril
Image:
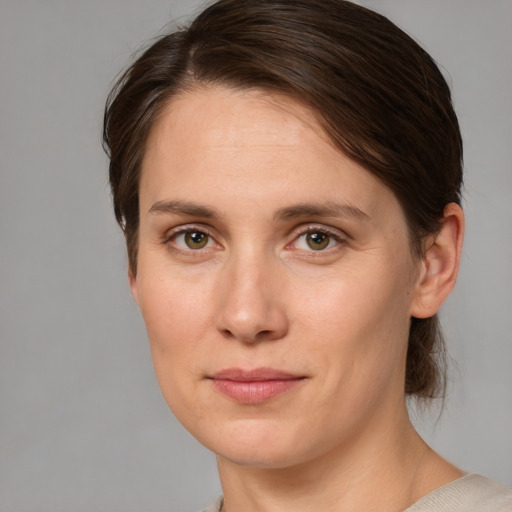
column 227, row 333
column 265, row 334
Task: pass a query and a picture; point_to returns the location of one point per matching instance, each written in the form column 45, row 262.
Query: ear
column 132, row 278
column 440, row 264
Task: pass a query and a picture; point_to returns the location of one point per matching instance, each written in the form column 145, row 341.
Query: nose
column 251, row 304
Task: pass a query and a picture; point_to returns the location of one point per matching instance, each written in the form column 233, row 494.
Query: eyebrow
column 327, row 209
column 184, row 208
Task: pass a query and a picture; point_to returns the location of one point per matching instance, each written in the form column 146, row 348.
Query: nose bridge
column 249, row 302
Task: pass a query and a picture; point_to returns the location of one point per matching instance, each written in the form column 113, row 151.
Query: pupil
column 317, row 241
column 196, row 239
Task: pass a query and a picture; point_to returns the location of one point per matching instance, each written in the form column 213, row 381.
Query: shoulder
column 470, row 493
column 216, row 506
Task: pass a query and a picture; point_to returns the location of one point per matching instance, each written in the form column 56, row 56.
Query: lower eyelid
column 169, row 238
column 169, row 241
column 337, row 241
column 182, row 234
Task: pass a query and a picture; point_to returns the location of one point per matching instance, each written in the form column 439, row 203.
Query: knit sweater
column 470, row 493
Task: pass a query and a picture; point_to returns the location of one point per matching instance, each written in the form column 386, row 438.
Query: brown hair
column 378, row 95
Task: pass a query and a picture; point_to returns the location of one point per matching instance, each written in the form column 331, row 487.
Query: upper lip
column 254, row 375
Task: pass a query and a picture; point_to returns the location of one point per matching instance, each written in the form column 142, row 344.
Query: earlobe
column 440, row 264
column 132, row 279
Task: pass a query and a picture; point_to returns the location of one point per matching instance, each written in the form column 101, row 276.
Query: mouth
column 254, row 386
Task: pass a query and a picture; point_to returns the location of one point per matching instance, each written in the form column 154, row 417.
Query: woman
column 287, row 175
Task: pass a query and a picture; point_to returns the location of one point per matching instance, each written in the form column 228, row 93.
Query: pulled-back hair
column 377, row 94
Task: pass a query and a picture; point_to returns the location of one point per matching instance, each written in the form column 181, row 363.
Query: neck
column 383, row 469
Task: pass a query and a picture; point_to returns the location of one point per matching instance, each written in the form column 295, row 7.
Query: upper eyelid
column 338, row 235
column 296, row 232
column 168, row 237
column 311, row 228
column 183, row 228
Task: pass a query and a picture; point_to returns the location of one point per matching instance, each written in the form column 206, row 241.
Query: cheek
column 359, row 322
column 172, row 302
column 179, row 331
column 177, row 320
column 356, row 299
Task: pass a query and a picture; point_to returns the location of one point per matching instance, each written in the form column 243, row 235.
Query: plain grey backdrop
column 82, row 424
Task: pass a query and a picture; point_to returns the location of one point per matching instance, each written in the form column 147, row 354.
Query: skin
column 238, row 167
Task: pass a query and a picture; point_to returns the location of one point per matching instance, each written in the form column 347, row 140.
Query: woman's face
column 275, row 277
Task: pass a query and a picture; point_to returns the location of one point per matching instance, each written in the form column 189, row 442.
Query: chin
column 260, row 457
column 257, row 443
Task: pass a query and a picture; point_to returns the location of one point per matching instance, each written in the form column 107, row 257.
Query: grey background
column 82, row 423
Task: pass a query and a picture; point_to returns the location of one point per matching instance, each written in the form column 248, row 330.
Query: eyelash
column 338, row 237
column 297, row 234
column 168, row 238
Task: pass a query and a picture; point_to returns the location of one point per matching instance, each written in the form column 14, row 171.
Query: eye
column 316, row 240
column 192, row 239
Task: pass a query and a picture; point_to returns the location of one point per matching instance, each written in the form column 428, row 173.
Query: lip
column 254, row 386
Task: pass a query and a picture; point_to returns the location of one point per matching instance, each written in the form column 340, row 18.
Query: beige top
column 470, row 493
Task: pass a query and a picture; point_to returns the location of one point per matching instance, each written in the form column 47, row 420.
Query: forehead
column 228, row 119
column 243, row 147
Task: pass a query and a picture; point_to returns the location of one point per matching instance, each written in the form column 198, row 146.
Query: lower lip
column 254, row 392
